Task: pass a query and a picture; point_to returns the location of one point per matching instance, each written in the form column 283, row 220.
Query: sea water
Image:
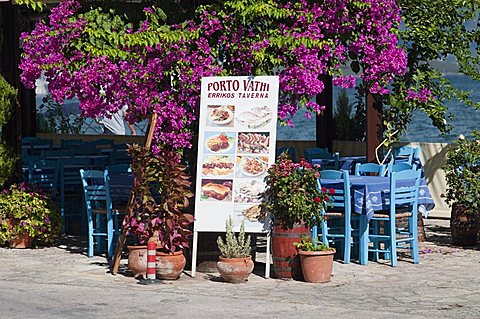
column 420, row 129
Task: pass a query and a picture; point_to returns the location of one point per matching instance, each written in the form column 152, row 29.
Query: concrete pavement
column 61, row 282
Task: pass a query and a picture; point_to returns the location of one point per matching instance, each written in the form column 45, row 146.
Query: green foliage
column 292, row 195
column 33, row 4
column 56, row 120
column 433, row 31
column 8, row 96
column 462, row 172
column 307, row 244
column 234, row 247
column 29, row 212
column 348, row 126
column 8, row 159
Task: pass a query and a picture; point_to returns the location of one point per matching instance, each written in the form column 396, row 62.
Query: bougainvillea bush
column 106, row 63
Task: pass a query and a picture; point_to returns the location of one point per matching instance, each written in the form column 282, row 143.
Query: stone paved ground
column 61, row 282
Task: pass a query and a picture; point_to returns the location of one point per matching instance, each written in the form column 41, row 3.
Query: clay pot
column 170, row 265
column 137, row 260
column 465, row 228
column 235, row 270
column 286, row 263
column 22, row 241
column 316, row 265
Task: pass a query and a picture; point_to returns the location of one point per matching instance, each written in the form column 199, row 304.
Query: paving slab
column 62, row 282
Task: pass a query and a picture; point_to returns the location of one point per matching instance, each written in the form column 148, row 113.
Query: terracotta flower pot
column 137, row 260
column 317, row 265
column 235, row 270
column 170, row 265
column 465, row 228
column 22, row 241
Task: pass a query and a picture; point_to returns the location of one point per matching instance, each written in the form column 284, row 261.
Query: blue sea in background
column 420, row 129
column 465, row 119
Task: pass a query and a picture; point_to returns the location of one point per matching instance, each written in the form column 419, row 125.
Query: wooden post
column 374, row 126
column 325, row 126
column 123, row 234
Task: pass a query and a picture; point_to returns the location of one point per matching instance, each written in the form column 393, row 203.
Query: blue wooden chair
column 119, row 156
column 71, row 185
column 103, row 143
column 310, row 153
column 369, row 168
column 398, row 167
column 44, row 174
column 290, row 151
column 403, row 204
column 100, row 218
column 404, row 154
column 336, row 224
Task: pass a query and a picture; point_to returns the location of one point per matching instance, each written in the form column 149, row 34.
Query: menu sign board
column 238, row 117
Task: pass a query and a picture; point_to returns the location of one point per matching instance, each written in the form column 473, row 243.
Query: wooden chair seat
column 398, row 215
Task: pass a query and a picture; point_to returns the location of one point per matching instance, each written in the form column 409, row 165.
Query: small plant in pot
column 235, row 264
column 162, row 198
column 27, row 215
column 462, row 172
column 316, row 260
column 294, row 201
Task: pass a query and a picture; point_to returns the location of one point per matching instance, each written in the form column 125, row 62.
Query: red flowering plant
column 292, row 194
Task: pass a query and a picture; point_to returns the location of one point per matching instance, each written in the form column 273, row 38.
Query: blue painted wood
column 44, row 173
column 402, row 199
column 99, row 210
column 398, row 167
column 365, row 169
column 290, row 151
column 340, row 202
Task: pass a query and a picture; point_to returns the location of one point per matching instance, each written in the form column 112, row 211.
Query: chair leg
column 393, row 241
column 347, row 241
column 376, row 243
column 109, row 235
column 324, row 231
column 363, row 240
column 413, row 232
column 91, row 238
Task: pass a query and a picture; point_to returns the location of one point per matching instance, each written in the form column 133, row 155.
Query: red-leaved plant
column 162, row 192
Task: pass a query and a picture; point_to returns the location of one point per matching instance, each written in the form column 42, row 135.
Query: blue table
column 371, row 194
column 347, row 162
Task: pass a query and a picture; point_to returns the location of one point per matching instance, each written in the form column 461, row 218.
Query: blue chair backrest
column 69, row 144
column 69, row 171
column 405, row 154
column 119, row 156
column 95, row 187
column 43, row 173
column 401, row 194
column 341, row 198
column 314, row 152
column 55, row 154
column 290, row 151
column 367, row 168
column 398, row 167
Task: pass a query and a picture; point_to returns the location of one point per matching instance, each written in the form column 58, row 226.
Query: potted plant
column 294, row 202
column 235, row 263
column 462, row 172
column 162, row 198
column 316, row 259
column 26, row 215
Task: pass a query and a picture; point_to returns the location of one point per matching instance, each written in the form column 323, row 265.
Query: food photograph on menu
column 220, row 142
column 248, row 190
column 255, row 117
column 218, row 165
column 220, row 115
column 251, row 166
column 253, row 143
column 252, row 213
column 216, row 190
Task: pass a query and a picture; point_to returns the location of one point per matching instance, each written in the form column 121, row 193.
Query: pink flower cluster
column 311, row 39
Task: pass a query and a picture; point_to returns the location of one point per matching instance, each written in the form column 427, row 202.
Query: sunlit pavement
column 61, row 282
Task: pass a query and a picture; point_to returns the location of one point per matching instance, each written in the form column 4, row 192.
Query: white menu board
column 236, row 145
